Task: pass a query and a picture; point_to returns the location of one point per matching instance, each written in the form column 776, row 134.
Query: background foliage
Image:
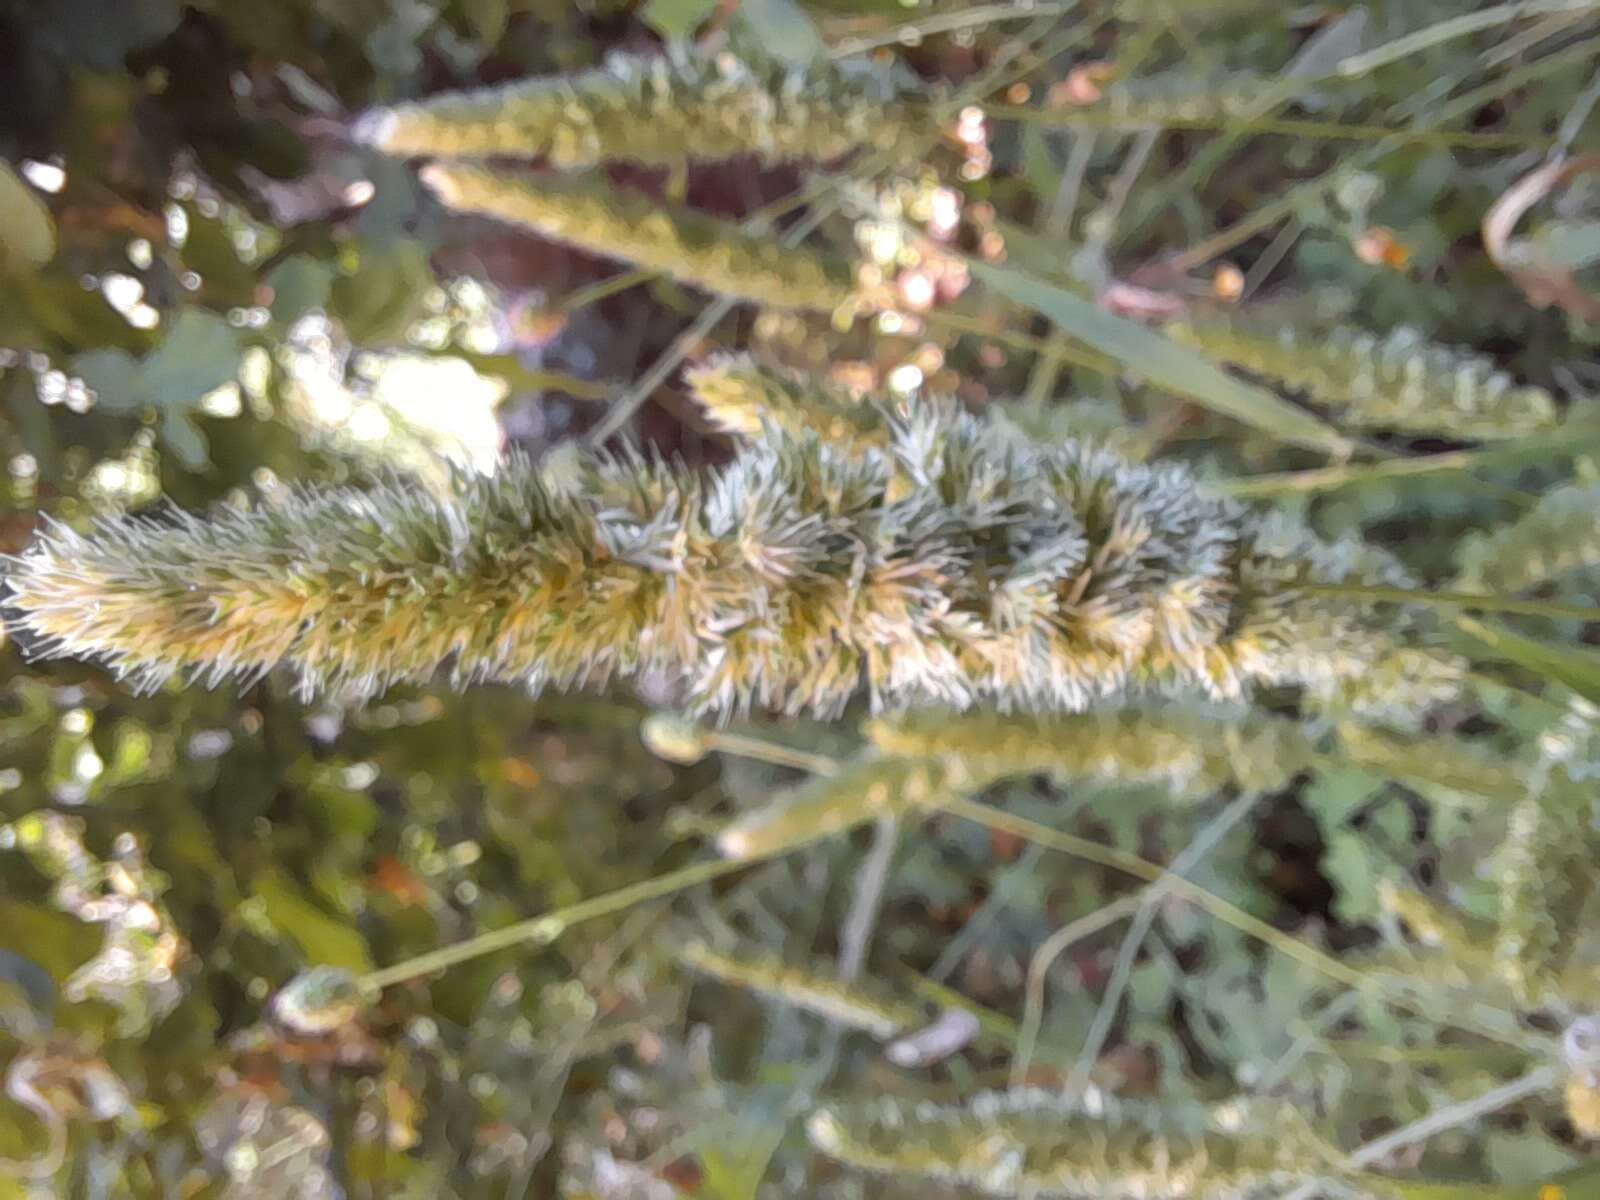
column 211, row 289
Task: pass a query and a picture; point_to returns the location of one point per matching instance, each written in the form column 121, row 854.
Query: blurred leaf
column 378, row 301
column 199, row 355
column 675, row 20
column 1570, row 244
column 324, row 939
column 782, row 29
column 1529, row 1155
column 1337, row 794
column 1330, row 45
column 299, row 283
column 27, row 233
column 1349, row 864
column 101, row 35
column 27, row 997
column 1569, row 666
column 53, row 941
column 487, row 19
column 1162, row 361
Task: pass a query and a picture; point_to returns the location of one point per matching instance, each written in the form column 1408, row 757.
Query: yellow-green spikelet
column 1400, row 382
column 744, row 397
column 1032, row 1143
column 1558, row 536
column 1545, row 868
column 660, row 110
column 691, row 247
column 1191, row 753
column 1179, row 98
column 851, row 1005
column 861, row 791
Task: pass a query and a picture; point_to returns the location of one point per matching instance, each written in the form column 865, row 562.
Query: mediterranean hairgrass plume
column 1035, row 1143
column 1400, row 382
column 664, row 110
column 1559, row 535
column 1190, row 752
column 691, row 247
column 1041, row 579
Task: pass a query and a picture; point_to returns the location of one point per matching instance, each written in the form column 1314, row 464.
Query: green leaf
column 1338, row 793
column 322, row 938
column 1349, row 864
column 101, row 35
column 199, row 355
column 1570, row 666
column 1570, row 244
column 487, row 19
column 379, row 299
column 299, row 284
column 675, row 20
column 27, row 234
column 782, row 29
column 1162, row 361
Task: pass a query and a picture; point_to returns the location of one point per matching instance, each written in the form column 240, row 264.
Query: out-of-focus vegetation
column 1338, row 259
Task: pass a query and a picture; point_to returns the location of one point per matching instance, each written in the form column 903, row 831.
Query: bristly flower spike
column 691, row 247
column 955, row 568
column 1561, row 534
column 744, row 397
column 1400, row 382
column 1033, row 1143
column 662, row 110
column 855, row 1006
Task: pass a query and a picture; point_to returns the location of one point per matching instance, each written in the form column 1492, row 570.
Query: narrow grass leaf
column 1164, row 362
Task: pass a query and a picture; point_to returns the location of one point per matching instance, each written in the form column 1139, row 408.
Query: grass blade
column 1571, row 666
column 1163, row 362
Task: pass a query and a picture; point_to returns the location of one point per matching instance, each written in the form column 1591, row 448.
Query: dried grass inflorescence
column 691, row 247
column 1033, row 1143
column 682, row 106
column 1401, row 382
column 795, row 577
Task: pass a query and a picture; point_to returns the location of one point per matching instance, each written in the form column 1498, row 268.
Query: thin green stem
column 1505, row 604
column 1327, row 479
column 1127, row 954
column 546, row 928
column 1222, row 910
column 1540, row 1079
column 1038, row 970
column 911, row 32
column 1456, row 27
column 593, row 293
column 1089, row 118
column 761, row 750
column 1149, row 872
